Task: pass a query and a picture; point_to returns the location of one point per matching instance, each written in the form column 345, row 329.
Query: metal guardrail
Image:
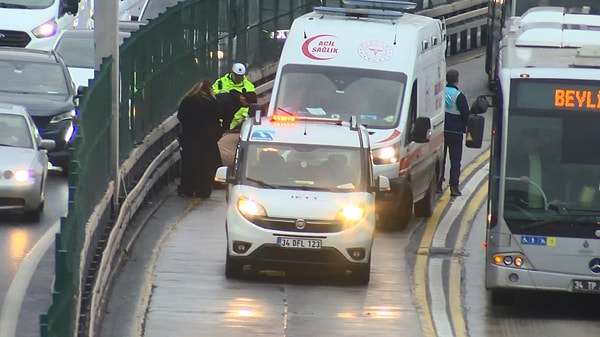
column 465, row 22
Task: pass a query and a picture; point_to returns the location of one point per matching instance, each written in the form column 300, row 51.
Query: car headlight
column 22, row 175
column 46, row 29
column 351, row 214
column 65, row 115
column 386, row 155
column 250, row 208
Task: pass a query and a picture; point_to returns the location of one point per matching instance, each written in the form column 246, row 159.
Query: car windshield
column 77, row 51
column 32, row 78
column 375, row 97
column 26, row 3
column 14, row 131
column 301, row 166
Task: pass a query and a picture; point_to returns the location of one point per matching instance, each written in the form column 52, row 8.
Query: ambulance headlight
column 351, row 214
column 386, row 155
column 250, row 208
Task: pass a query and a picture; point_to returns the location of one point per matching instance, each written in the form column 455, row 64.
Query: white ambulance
column 387, row 68
column 301, row 195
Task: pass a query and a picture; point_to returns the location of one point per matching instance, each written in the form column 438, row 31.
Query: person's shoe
column 454, row 192
column 439, row 189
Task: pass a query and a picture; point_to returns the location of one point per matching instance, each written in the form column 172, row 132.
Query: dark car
column 40, row 81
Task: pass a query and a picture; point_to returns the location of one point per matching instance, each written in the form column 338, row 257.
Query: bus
column 499, row 18
column 543, row 224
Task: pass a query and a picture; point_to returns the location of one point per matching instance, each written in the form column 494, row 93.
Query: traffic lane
column 17, row 239
column 190, row 292
column 546, row 314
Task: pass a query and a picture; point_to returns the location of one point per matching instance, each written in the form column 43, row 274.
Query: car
column 23, row 163
column 76, row 46
column 40, row 81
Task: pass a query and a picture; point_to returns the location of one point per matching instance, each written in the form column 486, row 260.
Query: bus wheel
column 501, row 298
column 424, row 207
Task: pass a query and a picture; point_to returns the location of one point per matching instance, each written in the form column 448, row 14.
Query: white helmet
column 239, row 69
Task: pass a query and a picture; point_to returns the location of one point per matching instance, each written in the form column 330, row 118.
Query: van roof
column 312, row 132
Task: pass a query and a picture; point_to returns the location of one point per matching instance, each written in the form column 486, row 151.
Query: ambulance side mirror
column 421, row 130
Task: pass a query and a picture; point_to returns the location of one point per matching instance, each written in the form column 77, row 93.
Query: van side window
column 412, row 111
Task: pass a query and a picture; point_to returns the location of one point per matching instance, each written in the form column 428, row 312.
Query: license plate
column 285, row 242
column 586, row 285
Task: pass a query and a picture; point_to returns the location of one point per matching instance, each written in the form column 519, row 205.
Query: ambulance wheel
column 233, row 269
column 424, row 207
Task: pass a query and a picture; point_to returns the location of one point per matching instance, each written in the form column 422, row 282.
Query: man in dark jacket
column 229, row 103
column 455, row 125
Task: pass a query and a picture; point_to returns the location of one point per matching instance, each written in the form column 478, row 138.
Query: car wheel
column 35, row 215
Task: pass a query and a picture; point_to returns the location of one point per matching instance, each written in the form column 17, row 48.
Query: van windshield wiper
column 12, row 5
column 261, row 183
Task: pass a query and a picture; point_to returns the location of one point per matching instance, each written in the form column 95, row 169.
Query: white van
column 35, row 23
column 301, row 194
column 387, row 68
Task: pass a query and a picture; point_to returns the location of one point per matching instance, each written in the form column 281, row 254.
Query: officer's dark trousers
column 453, row 146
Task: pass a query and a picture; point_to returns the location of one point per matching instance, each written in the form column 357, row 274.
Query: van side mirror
column 383, row 183
column 421, row 132
column 480, row 105
column 221, row 174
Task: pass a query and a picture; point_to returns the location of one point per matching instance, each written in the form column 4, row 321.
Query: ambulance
column 387, row 67
column 301, row 196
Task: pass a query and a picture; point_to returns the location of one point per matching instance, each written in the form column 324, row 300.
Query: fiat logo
column 300, row 223
column 594, row 263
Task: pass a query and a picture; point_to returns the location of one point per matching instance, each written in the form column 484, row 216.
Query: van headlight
column 46, row 29
column 351, row 214
column 250, row 208
column 65, row 115
column 23, row 175
column 386, row 155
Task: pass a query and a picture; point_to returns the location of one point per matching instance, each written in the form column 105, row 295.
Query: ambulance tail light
column 386, row 155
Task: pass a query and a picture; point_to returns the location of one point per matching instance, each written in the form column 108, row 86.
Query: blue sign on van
column 266, row 135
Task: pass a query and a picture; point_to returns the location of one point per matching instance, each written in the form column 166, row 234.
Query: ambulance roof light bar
column 359, row 13
column 381, row 4
column 294, row 118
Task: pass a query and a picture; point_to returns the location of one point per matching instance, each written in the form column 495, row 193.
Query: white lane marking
column 435, row 283
column 438, row 299
column 439, row 238
column 11, row 308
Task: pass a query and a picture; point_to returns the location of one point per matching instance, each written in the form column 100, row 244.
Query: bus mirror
column 480, row 105
column 421, row 130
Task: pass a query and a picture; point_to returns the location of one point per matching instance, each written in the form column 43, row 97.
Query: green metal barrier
column 158, row 63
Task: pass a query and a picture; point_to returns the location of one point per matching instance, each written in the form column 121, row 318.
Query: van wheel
column 424, row 207
column 399, row 218
column 35, row 215
column 362, row 275
column 233, row 269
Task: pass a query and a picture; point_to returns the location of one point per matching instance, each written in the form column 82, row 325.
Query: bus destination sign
column 555, row 95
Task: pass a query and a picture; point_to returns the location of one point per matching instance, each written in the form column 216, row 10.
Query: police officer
column 236, row 80
column 455, row 125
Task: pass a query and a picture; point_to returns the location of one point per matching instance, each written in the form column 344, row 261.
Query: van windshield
column 375, row 97
column 34, row 4
column 301, row 166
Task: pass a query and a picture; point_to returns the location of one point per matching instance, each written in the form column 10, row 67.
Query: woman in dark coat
column 200, row 131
